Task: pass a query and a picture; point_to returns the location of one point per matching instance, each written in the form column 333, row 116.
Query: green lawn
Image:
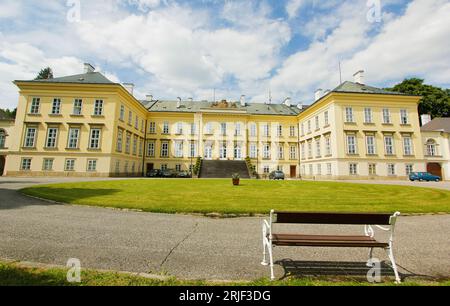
column 17, row 274
column 252, row 197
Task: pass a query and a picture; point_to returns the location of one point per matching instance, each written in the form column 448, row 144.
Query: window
column 349, row 115
column 409, row 168
column 292, row 131
column 389, row 145
column 30, row 137
column 92, row 165
column 74, row 136
column 47, row 164
column 94, row 139
column 35, row 106
column 136, row 123
column 208, row 151
column 407, row 146
column 353, row 169
column 266, row 151
column 253, row 130
column 309, row 127
column 329, row 169
column 368, row 117
column 69, row 165
column 266, row 130
column 165, row 149
column 310, row 152
column 122, row 113
column 280, row 168
column 372, row 169
column 141, row 146
column 120, row 140
column 391, row 169
column 370, row 143
column 193, row 149
column 237, row 152
column 280, row 130
column 117, row 169
column 328, row 146
column 128, row 143
column 386, row 116
column 303, row 149
column 351, row 144
column 133, row 167
column 326, row 116
column 253, row 151
column 25, row 165
column 303, row 129
column 166, row 128
column 237, row 129
column 2, row 139
column 223, row 129
column 293, row 152
column 317, row 123
column 130, row 117
column 193, row 129
column 56, row 106
column 125, row 168
column 179, row 149
column 266, row 170
column 318, row 148
column 223, row 151
column 52, row 135
column 180, row 128
column 152, row 129
column 280, row 152
column 404, row 118
column 77, row 107
column 311, row 170
column 151, row 149
column 135, row 143
column 319, row 169
column 142, row 125
column 98, row 108
column 164, row 167
column 431, row 148
column 209, row 128
column 178, row 168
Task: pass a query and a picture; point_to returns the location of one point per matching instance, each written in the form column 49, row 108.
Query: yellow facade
column 334, row 138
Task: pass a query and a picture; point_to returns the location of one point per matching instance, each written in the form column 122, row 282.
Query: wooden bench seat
column 326, row 241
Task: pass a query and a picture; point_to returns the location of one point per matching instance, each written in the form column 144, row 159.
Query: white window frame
column 56, row 106
column 349, row 116
column 95, row 137
column 352, row 145
column 151, row 149
column 408, row 146
column 91, row 165
column 368, row 115
column 389, row 147
column 371, row 145
column 165, row 149
column 47, row 164
column 152, row 127
column 77, row 107
column 35, row 107
column 51, row 141
column 25, row 164
column 387, row 116
column 30, row 137
column 353, row 169
column 404, row 117
column 69, row 164
column 98, row 107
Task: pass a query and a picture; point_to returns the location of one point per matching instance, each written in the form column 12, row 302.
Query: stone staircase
column 223, row 169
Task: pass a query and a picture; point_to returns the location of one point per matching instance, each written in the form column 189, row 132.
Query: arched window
column 431, row 147
column 2, row 138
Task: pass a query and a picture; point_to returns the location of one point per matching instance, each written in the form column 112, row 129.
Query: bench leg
column 394, row 265
column 272, row 275
column 369, row 263
column 265, row 247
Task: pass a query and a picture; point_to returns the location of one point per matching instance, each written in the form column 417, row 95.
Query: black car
column 184, row 174
column 154, row 173
column 277, row 175
column 168, row 173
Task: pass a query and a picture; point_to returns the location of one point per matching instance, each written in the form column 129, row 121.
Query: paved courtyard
column 192, row 247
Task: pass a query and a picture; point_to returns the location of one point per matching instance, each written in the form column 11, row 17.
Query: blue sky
column 172, row 48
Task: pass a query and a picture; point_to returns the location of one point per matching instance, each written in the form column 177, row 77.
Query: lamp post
column 192, row 156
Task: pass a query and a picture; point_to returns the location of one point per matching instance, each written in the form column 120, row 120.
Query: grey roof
column 205, row 106
column 351, row 87
column 437, row 124
column 85, row 78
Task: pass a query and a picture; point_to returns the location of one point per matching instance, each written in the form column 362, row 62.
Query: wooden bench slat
column 326, row 241
column 332, row 218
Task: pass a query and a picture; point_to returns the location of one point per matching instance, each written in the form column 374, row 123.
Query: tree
column 435, row 100
column 7, row 114
column 45, row 74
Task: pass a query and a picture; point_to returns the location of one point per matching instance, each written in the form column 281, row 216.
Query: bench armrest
column 368, row 229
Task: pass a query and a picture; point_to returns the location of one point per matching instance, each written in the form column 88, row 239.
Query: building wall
column 441, row 152
column 6, row 132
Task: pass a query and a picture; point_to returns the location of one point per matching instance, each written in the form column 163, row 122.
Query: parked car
column 277, row 175
column 184, row 174
column 154, row 173
column 424, row 176
column 168, row 173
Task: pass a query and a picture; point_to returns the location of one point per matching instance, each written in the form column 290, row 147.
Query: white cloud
column 9, row 9
column 293, row 6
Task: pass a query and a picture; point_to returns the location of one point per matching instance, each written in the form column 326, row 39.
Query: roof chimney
column 425, row 119
column 88, row 68
column 287, row 102
column 359, row 77
column 318, row 94
column 300, row 106
column 243, row 102
column 149, row 98
column 129, row 87
column 178, row 102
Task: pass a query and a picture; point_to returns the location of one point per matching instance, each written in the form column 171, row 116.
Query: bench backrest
column 332, row 218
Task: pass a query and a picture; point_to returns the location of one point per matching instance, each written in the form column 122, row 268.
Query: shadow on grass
column 12, row 199
column 301, row 269
column 13, row 276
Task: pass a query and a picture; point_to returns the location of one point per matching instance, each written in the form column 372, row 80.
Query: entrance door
column 2, row 164
column 293, row 171
column 223, row 151
column 208, row 152
column 150, row 167
column 435, row 169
